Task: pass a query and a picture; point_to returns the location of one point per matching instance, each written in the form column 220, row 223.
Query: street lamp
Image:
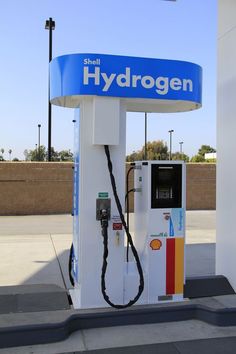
column 170, row 131
column 39, row 126
column 49, row 25
column 181, row 148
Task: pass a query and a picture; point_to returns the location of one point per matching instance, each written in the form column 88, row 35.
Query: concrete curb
column 41, row 333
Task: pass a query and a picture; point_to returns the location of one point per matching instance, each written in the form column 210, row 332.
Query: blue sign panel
column 75, row 262
column 125, row 77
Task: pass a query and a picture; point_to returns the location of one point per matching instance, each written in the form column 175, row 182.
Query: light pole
column 145, row 138
column 170, row 131
column 181, row 148
column 39, row 126
column 49, row 25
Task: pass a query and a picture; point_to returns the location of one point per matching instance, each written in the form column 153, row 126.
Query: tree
column 197, row 158
column 2, row 152
column 66, row 155
column 210, row 160
column 204, row 149
column 156, row 150
column 55, row 156
column 9, row 152
column 200, row 157
column 36, row 154
column 41, row 154
column 179, row 156
column 135, row 156
column 26, row 154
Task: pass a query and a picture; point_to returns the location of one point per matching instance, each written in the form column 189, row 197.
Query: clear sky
column 182, row 30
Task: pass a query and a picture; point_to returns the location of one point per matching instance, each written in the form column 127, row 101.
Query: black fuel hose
column 127, row 206
column 70, row 265
column 104, row 225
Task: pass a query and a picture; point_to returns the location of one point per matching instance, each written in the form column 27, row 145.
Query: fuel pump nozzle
column 104, row 220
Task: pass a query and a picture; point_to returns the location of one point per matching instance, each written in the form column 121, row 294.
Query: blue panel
column 177, row 222
column 128, row 77
column 75, row 258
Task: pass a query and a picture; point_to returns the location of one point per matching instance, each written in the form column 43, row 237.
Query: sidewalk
column 34, row 249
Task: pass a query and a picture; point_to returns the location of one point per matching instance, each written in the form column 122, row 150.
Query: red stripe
column 170, row 266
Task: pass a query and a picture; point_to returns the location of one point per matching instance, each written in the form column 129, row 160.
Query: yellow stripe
column 179, row 265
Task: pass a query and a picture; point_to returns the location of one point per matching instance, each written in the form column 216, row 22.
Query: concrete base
column 32, row 298
column 24, row 326
column 206, row 286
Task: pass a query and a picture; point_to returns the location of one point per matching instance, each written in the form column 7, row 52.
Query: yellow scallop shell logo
column 155, row 244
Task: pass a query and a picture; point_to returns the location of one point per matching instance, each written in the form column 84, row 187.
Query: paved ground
column 34, row 249
column 200, row 225
column 35, row 225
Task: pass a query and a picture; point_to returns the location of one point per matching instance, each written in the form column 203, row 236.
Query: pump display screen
column 166, row 186
column 164, row 193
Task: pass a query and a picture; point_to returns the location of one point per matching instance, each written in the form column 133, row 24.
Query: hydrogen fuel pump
column 101, row 89
column 159, row 227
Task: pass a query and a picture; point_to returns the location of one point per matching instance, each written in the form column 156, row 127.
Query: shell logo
column 155, row 244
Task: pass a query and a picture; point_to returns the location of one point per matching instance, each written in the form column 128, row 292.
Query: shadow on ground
column 200, row 260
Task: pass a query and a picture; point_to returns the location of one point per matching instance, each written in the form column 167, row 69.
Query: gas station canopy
column 145, row 85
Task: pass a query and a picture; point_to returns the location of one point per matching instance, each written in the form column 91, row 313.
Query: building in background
column 210, row 156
